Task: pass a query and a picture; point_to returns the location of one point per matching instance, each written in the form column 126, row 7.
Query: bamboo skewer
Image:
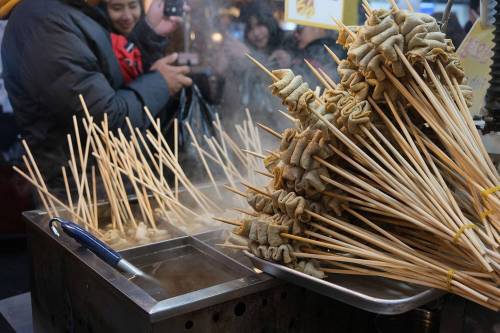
column 119, row 158
column 41, row 193
column 279, row 136
column 246, row 212
column 253, row 153
column 346, row 227
column 205, row 164
column 176, row 154
column 34, row 182
column 38, row 174
column 318, row 75
column 419, row 162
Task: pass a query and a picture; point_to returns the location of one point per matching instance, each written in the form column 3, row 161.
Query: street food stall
column 376, row 198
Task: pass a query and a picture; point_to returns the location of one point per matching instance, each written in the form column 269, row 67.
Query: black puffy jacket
column 54, row 50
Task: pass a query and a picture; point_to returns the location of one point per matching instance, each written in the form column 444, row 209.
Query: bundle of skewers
column 116, row 181
column 383, row 173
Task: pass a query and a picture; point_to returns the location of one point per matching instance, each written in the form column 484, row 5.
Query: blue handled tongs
column 93, row 244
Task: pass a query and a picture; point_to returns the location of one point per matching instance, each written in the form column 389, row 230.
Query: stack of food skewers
column 115, row 182
column 384, row 173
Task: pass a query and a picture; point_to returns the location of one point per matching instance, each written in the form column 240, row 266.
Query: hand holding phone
column 163, row 25
column 174, row 7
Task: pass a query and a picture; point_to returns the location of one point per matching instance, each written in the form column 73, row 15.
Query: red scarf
column 129, row 57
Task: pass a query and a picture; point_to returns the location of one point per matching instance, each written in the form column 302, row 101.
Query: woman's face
column 124, row 14
column 258, row 35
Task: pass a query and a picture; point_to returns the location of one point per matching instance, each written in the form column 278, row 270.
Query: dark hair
column 103, row 8
column 264, row 16
column 454, row 31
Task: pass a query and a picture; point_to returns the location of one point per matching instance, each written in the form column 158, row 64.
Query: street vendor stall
column 378, row 199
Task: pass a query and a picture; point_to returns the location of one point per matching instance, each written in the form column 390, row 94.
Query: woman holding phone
column 66, row 51
column 128, row 23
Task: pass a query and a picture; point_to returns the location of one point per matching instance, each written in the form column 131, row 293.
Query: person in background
column 124, row 16
column 454, row 31
column 263, row 38
column 473, row 15
column 246, row 87
column 128, row 23
column 66, row 51
column 311, row 43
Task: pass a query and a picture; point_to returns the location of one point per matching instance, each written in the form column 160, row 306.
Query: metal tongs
column 93, row 244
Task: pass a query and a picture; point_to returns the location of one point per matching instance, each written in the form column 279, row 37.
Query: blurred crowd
column 123, row 55
column 255, row 30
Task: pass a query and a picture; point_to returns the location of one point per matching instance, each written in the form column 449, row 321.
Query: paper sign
column 315, row 13
column 475, row 53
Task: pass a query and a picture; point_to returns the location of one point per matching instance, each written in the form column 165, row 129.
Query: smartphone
column 174, row 7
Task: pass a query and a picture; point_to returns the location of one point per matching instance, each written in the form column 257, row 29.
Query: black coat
column 54, row 50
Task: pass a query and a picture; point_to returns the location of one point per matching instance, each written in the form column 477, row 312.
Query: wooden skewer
column 156, row 191
column 68, row 192
column 394, row 5
column 272, row 153
column 213, row 159
column 318, row 75
column 200, row 199
column 253, row 153
column 293, row 120
column 221, row 133
column 41, row 194
column 232, row 189
column 159, row 168
column 375, row 240
column 176, row 154
column 225, row 168
column 111, row 175
column 367, row 8
column 247, row 212
column 409, row 5
column 332, row 54
column 263, row 68
column 235, row 148
column 269, row 130
column 51, row 196
column 37, row 173
column 228, row 161
column 94, row 198
column 176, row 168
column 202, row 157
column 267, row 174
column 343, row 26
column 259, row 191
column 238, row 224
column 340, row 135
column 328, row 79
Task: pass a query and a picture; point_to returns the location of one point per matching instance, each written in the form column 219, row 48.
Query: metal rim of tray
column 346, row 295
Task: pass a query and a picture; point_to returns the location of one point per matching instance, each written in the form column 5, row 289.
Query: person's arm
column 67, row 67
column 151, row 45
column 150, row 32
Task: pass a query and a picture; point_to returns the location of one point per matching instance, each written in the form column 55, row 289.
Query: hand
column 174, row 75
column 161, row 24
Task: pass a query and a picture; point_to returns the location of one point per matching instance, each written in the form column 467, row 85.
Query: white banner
column 315, row 13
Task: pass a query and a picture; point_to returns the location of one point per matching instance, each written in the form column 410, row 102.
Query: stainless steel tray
column 182, row 266
column 374, row 294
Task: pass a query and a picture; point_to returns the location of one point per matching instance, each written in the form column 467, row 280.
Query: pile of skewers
column 116, row 186
column 384, row 173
